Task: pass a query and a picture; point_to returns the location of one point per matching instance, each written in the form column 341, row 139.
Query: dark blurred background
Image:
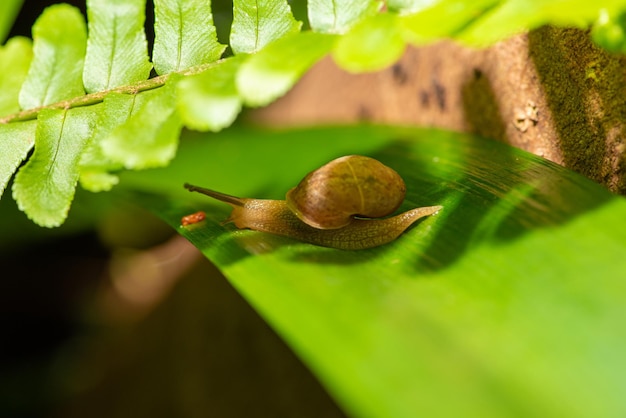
column 116, row 316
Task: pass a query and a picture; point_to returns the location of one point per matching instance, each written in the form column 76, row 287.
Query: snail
column 334, row 206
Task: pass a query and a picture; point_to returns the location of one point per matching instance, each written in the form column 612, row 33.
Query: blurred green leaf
column 210, row 101
column 509, row 302
column 59, row 42
column 117, row 50
column 330, row 16
column 256, row 23
column 409, row 6
column 184, row 35
column 16, row 141
column 8, row 12
column 15, row 58
column 444, row 19
column 149, row 137
column 372, row 44
column 45, row 186
column 484, row 22
column 271, row 72
column 609, row 31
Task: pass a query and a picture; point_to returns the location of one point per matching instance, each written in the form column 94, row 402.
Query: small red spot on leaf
column 194, row 218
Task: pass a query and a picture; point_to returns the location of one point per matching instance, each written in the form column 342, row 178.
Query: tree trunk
column 552, row 92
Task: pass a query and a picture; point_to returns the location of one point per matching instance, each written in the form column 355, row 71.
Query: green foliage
column 331, row 16
column 105, row 70
column 117, row 50
column 15, row 58
column 45, row 186
column 273, row 71
column 8, row 12
column 257, row 23
column 59, row 42
column 149, row 134
column 610, row 31
column 373, row 44
column 509, row 302
column 16, row 140
column 210, row 100
column 184, row 35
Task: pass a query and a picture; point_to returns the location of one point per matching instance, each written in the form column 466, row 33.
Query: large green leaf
column 509, row 302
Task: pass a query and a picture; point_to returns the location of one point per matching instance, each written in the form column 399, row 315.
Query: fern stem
column 98, row 97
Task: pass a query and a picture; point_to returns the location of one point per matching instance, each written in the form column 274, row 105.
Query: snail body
column 313, row 211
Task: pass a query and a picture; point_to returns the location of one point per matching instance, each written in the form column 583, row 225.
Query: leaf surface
column 372, row 44
column 184, row 35
column 445, row 18
column 335, row 16
column 8, row 12
column 256, row 23
column 16, row 140
column 117, row 50
column 270, row 73
column 149, row 137
column 59, row 42
column 45, row 186
column 509, row 302
column 95, row 166
column 409, row 6
column 15, row 58
column 210, row 100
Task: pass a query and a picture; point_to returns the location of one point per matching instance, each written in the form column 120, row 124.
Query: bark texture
column 552, row 92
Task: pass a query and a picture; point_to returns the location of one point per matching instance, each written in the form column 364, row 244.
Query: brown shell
column 354, row 185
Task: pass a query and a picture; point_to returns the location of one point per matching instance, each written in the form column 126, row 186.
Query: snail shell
column 351, row 186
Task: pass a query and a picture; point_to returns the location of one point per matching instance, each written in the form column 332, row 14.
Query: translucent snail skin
column 339, row 205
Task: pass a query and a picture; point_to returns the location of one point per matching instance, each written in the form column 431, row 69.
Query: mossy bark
column 552, row 92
